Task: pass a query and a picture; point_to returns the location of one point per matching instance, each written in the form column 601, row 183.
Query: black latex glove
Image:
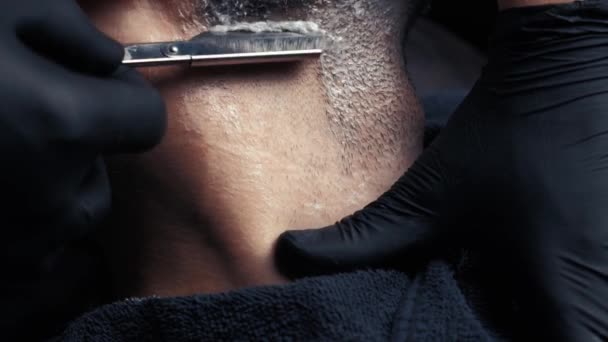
column 65, row 101
column 519, row 173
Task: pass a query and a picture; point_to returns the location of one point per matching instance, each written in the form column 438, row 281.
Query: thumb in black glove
column 519, row 173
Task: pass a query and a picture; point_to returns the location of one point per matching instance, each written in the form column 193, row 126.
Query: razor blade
column 232, row 48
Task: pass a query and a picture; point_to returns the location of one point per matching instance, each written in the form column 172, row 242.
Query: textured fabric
column 362, row 306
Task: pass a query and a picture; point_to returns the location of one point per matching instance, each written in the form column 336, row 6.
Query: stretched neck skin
column 505, row 4
column 253, row 151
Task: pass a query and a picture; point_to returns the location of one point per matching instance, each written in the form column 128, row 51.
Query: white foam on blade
column 303, row 27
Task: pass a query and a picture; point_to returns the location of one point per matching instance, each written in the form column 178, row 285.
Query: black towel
column 363, row 306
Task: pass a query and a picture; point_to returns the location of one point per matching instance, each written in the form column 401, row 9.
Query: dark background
column 445, row 53
column 470, row 19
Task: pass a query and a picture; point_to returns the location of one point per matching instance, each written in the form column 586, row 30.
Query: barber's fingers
column 124, row 114
column 115, row 113
column 400, row 228
column 118, row 112
column 61, row 32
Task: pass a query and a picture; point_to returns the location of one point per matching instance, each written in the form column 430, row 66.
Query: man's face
column 293, row 145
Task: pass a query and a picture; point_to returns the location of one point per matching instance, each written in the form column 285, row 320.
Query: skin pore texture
column 252, row 151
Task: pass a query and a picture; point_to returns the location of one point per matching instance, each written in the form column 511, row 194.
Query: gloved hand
column 65, row 101
column 520, row 173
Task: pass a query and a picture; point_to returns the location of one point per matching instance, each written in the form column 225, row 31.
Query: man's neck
column 176, row 252
column 252, row 151
column 191, row 265
column 180, row 237
column 247, row 156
